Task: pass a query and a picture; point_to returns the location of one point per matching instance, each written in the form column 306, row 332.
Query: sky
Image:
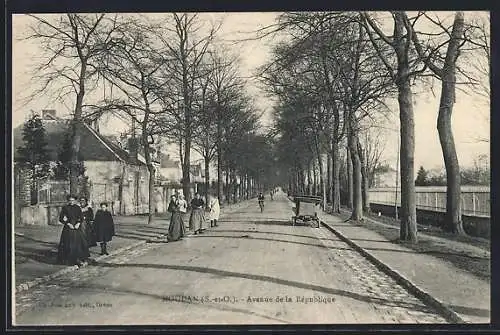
column 470, row 115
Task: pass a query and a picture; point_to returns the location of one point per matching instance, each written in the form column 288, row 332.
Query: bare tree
column 185, row 42
column 224, row 87
column 69, row 47
column 446, row 70
column 402, row 73
column 132, row 66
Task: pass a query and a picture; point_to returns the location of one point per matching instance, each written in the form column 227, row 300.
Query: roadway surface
column 255, row 268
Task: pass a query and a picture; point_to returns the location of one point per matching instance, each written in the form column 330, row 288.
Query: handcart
column 306, row 209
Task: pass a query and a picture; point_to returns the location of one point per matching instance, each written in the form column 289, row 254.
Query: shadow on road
column 24, row 237
column 409, row 251
column 45, row 256
column 135, row 237
column 272, row 233
column 317, row 288
column 261, row 222
column 248, row 237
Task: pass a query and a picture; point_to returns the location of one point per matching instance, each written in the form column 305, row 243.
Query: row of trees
column 333, row 74
column 170, row 77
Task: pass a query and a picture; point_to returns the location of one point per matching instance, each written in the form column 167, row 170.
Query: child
column 104, row 227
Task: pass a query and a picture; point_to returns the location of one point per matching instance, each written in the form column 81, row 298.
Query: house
column 115, row 174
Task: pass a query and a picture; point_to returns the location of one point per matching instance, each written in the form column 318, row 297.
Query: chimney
column 133, row 147
column 48, row 114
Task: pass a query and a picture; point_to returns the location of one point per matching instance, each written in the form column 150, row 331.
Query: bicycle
column 261, row 205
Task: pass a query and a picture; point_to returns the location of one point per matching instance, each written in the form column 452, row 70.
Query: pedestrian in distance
column 261, row 201
column 176, row 229
column 104, row 227
column 73, row 248
column 214, row 210
column 88, row 222
column 197, row 214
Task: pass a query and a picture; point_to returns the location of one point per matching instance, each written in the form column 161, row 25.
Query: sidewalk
column 461, row 291
column 36, row 246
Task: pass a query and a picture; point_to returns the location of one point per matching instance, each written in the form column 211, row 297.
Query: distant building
column 170, row 171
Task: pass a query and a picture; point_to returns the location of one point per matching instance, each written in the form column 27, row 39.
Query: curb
column 37, row 281
column 442, row 308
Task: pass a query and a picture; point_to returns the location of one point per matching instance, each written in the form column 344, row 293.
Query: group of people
column 178, row 207
column 83, row 230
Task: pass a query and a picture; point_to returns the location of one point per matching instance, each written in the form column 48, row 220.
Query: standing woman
column 88, row 222
column 104, row 227
column 73, row 248
column 214, row 210
column 176, row 229
column 197, row 214
column 182, row 203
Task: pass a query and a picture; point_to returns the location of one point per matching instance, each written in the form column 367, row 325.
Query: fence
column 52, row 191
column 475, row 199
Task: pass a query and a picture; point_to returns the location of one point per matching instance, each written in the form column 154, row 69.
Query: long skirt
column 104, row 230
column 72, row 246
column 88, row 229
column 196, row 219
column 176, row 229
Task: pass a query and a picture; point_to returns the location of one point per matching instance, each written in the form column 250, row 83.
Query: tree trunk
column 220, row 189
column 249, row 190
column 151, row 170
column 207, row 178
column 74, row 171
column 364, row 179
column 77, row 120
column 120, row 191
column 408, row 230
column 336, row 177
column 322, row 188
column 328, row 179
column 408, row 215
column 227, row 187
column 350, row 185
column 309, row 179
column 357, row 209
column 453, row 182
column 315, row 178
column 186, row 175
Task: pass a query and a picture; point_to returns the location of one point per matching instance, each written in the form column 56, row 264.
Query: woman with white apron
column 214, row 210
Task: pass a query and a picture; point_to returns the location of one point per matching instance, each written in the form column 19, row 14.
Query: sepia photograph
column 250, row 168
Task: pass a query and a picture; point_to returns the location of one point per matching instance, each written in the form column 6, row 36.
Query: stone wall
column 40, row 214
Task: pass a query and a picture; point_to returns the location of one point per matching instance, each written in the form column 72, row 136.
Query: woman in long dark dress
column 197, row 214
column 176, row 229
column 73, row 248
column 104, row 227
column 88, row 222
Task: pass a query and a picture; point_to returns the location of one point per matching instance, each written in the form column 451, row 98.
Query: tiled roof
column 93, row 146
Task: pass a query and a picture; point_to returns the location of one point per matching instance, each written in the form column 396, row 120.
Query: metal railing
column 475, row 199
